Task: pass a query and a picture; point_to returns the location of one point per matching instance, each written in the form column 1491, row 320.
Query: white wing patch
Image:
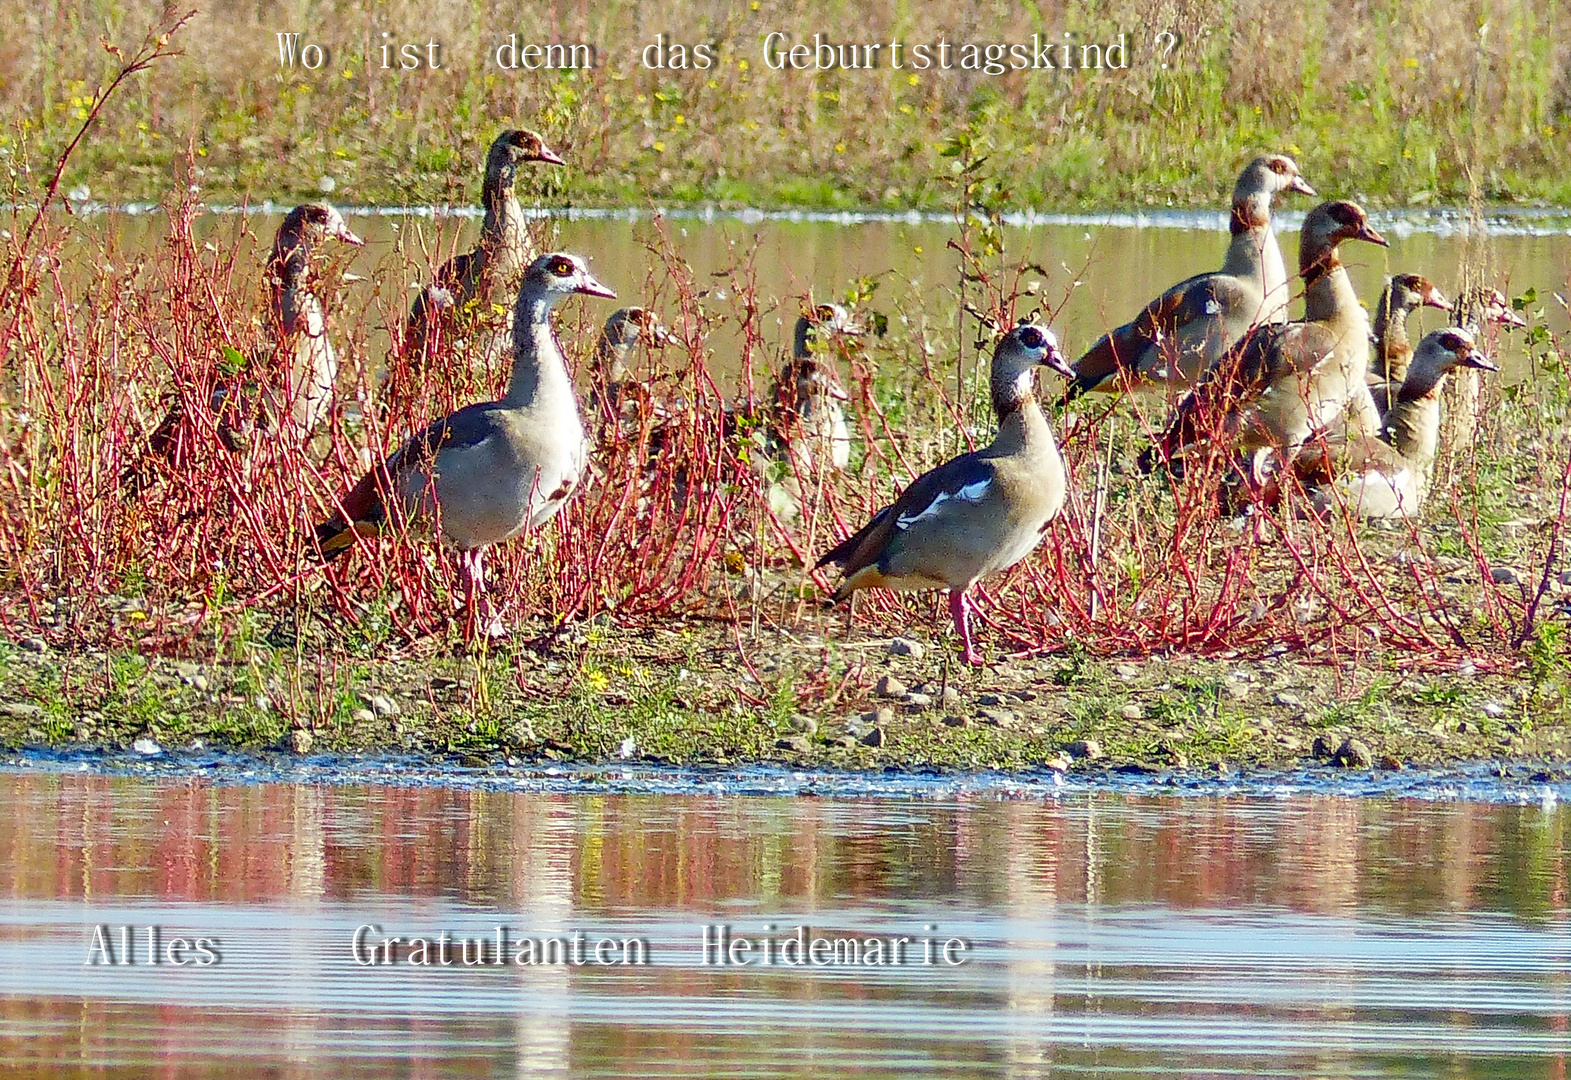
column 971, row 493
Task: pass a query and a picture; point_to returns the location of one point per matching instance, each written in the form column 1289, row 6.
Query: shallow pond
column 1100, row 933
column 1100, row 269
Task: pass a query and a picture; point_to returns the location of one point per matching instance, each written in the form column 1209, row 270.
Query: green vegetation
column 1410, row 104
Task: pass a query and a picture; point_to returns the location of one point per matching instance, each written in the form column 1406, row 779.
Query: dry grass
column 1393, row 104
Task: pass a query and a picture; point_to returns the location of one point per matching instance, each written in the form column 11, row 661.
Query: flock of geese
column 1349, row 410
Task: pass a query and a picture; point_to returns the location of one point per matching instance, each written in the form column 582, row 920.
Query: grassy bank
column 1393, row 105
column 677, row 695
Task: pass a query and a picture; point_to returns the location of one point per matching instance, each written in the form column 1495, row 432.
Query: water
column 1107, row 932
column 1100, row 269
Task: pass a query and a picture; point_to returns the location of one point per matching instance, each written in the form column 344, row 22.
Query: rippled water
column 1106, row 933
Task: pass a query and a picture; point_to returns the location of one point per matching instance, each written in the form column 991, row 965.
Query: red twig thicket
column 687, row 513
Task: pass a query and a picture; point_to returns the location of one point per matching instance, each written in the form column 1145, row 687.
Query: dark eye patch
column 1032, row 338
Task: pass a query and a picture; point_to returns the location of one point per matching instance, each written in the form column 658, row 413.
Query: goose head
column 1495, row 309
column 628, row 326
column 1439, row 354
column 557, row 276
column 299, row 234
column 513, row 148
column 822, row 322
column 623, row 330
column 1328, row 225
column 1409, row 292
column 1269, row 174
column 1015, row 360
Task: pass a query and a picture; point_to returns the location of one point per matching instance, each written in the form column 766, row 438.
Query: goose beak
column 344, row 235
column 1300, row 185
column 1436, row 299
column 1475, row 359
column 1506, row 317
column 1367, row 233
column 1054, row 361
column 549, row 156
column 590, row 287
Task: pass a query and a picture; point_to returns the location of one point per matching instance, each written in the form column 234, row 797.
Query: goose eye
column 561, row 268
column 1032, row 338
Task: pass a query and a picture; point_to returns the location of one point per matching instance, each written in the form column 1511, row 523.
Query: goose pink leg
column 959, row 610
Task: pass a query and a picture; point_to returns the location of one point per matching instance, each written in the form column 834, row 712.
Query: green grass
column 1392, row 108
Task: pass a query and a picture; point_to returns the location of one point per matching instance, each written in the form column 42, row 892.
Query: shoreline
column 599, row 694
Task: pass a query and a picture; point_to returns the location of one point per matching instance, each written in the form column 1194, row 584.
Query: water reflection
column 1108, row 934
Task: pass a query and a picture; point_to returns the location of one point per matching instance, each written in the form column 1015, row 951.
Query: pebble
column 1089, row 749
column 1324, row 746
column 1392, row 763
column 804, row 725
column 1504, row 575
column 300, row 741
column 921, row 701
column 383, row 705
column 1236, row 691
column 957, row 721
column 1002, row 717
column 1353, row 754
column 1059, row 764
column 33, row 645
column 949, row 698
column 1291, row 743
column 22, row 710
column 797, row 743
column 903, row 646
column 147, row 747
column 1287, row 700
column 363, row 716
column 1494, row 710
column 186, row 669
column 1126, row 671
column 890, row 687
column 520, row 733
column 199, row 683
column 874, row 738
column 989, row 699
column 1132, row 711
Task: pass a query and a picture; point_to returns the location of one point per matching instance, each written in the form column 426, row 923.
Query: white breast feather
column 971, row 493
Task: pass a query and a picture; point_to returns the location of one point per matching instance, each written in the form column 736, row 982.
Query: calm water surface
column 1106, row 934
column 1099, row 269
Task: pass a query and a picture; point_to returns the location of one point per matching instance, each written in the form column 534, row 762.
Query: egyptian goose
column 1283, row 383
column 301, row 352
column 488, row 274
column 490, row 470
column 1387, row 479
column 1182, row 332
column 1405, row 294
column 615, row 400
column 1484, row 306
column 807, row 422
column 977, row 513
